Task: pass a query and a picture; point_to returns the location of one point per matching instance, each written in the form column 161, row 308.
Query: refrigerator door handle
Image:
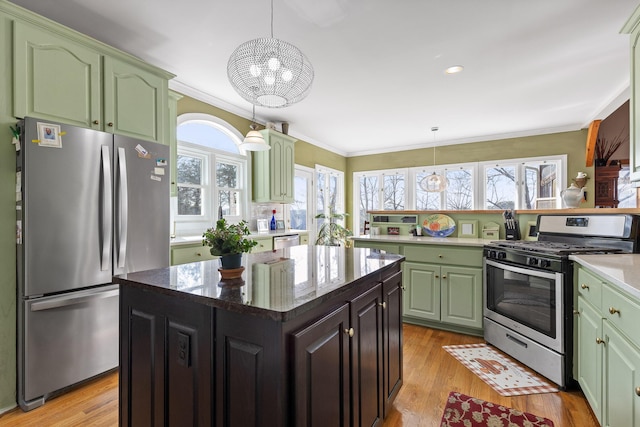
column 107, row 209
column 123, row 226
column 67, row 300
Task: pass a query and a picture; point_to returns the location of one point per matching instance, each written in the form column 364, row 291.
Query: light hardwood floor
column 430, row 373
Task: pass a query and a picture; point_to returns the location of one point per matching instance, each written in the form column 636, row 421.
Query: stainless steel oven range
column 528, row 287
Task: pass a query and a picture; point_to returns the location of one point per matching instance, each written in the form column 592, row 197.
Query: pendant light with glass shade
column 434, row 183
column 254, row 140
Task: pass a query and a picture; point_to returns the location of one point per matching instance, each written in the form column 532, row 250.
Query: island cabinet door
column 366, row 358
column 165, row 361
column 250, row 367
column 321, row 372
column 392, row 338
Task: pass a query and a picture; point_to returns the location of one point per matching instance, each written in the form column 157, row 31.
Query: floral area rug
column 465, row 411
column 501, row 373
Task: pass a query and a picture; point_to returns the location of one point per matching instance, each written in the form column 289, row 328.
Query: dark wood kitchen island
column 309, row 336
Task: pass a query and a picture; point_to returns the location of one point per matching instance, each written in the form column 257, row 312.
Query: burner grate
column 550, row 247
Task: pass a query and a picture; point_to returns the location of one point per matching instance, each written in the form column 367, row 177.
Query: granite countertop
column 278, row 285
column 622, row 270
column 189, row 240
column 426, row 240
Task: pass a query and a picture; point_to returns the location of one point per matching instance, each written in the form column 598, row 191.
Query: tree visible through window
column 211, row 171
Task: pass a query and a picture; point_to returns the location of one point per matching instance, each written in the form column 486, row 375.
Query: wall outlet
column 184, row 349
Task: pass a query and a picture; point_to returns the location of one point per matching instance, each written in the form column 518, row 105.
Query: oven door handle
column 525, row 271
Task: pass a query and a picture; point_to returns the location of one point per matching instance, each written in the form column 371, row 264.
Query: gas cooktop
column 557, row 248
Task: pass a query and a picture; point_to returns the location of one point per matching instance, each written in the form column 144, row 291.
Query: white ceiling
column 531, row 67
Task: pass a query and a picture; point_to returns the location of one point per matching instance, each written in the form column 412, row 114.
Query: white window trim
column 561, row 173
column 340, row 198
column 311, row 200
column 409, row 191
column 196, row 152
column 190, row 225
column 478, row 176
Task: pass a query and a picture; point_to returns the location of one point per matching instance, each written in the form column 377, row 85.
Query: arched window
column 212, row 173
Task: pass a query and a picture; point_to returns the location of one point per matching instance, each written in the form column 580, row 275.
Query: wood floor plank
column 430, row 373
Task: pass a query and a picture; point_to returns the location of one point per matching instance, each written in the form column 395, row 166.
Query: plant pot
column 231, row 261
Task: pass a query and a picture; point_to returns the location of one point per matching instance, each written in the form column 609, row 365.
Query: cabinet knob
column 437, row 277
column 576, row 312
column 444, row 276
column 96, row 122
column 110, row 124
column 383, row 305
column 349, row 332
column 403, row 288
column 614, row 310
column 637, row 391
column 599, row 341
column 583, row 286
column 198, row 254
column 439, row 256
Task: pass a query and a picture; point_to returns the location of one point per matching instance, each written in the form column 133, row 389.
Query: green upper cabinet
column 135, row 101
column 63, row 76
column 172, row 137
column 273, row 170
column 632, row 27
column 55, row 78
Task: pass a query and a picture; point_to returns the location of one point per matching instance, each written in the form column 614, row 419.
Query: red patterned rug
column 466, row 411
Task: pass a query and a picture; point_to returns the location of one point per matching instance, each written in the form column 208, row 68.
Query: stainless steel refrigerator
column 90, row 205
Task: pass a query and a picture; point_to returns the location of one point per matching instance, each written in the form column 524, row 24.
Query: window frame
column 478, row 174
column 196, row 224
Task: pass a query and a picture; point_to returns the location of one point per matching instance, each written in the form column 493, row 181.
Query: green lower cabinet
column 448, row 295
column 621, row 392
column 590, row 350
column 264, row 244
column 388, row 247
column 184, row 254
column 608, row 352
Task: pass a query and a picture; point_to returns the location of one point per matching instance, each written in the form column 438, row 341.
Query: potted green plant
column 228, row 241
column 332, row 233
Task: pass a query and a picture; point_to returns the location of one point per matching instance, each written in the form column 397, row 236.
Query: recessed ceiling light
column 454, row 69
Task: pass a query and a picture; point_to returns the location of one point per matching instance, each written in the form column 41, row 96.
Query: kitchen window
column 459, row 195
column 329, row 193
column 529, row 183
column 211, row 174
column 379, row 190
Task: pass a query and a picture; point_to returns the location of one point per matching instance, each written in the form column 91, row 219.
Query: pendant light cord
column 271, row 18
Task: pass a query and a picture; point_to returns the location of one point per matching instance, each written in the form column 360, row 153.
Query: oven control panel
column 524, row 259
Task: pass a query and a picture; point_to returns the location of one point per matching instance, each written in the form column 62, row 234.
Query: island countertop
column 278, row 285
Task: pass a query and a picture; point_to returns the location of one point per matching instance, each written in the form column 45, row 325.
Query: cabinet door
column 392, row 338
column 621, row 380
column 166, row 375
column 264, row 244
column 462, row 296
column 190, row 253
column 135, row 101
column 634, row 105
column 422, row 290
column 172, row 137
column 55, row 78
column 366, row 358
column 590, row 355
column 282, row 169
column 321, row 372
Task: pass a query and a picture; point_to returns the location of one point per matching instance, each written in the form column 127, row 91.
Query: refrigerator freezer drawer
column 68, row 338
